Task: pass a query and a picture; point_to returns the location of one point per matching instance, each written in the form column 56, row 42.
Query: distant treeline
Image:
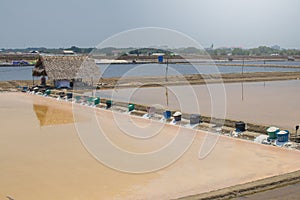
column 111, row 51
column 258, row 51
column 49, row 50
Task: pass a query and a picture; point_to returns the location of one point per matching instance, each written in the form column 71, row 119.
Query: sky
column 86, row 23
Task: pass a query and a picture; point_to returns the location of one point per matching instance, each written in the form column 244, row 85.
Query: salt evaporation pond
column 42, row 156
column 267, row 103
column 118, row 70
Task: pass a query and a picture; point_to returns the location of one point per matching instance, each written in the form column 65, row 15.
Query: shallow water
column 16, row 73
column 119, row 70
column 267, row 103
column 48, row 161
column 286, row 63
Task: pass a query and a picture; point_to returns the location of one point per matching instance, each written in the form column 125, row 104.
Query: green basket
column 96, row 101
column 48, row 92
column 272, row 132
column 77, row 98
column 130, row 107
column 90, row 99
column 108, row 104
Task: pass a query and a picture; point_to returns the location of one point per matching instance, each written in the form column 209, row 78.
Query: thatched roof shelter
column 66, row 67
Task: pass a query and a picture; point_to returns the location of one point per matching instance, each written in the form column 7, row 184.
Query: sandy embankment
column 194, row 79
column 42, row 156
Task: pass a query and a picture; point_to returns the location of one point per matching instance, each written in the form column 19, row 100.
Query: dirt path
column 284, row 186
column 291, row 192
column 198, row 79
column 195, row 79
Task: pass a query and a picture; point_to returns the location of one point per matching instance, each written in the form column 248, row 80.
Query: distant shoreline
column 198, row 62
column 7, row 58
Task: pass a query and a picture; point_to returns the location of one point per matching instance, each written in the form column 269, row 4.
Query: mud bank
column 195, row 79
column 249, row 188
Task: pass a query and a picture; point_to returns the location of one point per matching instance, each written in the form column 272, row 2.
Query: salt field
column 144, row 100
column 118, row 70
column 266, row 103
column 42, row 156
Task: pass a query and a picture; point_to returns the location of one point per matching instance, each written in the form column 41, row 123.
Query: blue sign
column 160, row 59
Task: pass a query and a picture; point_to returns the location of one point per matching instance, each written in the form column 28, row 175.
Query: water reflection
column 50, row 115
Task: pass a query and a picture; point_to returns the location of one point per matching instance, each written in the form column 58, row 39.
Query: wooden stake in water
column 166, row 77
column 167, row 95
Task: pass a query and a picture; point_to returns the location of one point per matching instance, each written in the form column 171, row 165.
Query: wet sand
column 48, row 161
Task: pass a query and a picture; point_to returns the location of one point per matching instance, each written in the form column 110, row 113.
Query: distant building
column 274, row 54
column 291, row 58
column 68, row 52
column 158, row 54
column 34, row 52
column 116, row 52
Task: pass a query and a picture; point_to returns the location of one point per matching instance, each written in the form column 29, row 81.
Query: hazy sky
column 85, row 23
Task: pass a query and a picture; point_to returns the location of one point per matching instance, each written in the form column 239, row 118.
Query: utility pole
column 167, row 68
column 242, row 79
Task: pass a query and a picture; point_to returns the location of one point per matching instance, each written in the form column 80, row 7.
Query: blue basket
column 283, row 136
column 24, row 89
column 167, row 114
